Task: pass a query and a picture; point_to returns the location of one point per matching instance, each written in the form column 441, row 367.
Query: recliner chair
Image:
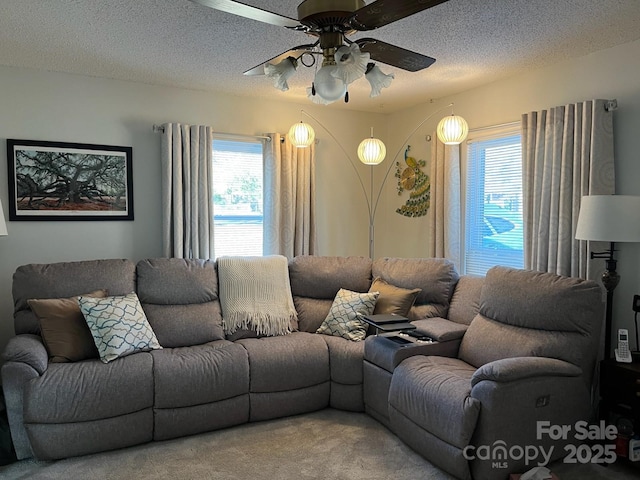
column 527, row 357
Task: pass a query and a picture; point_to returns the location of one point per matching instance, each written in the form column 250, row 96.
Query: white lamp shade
column 3, row 225
column 371, row 151
column 351, row 63
column 452, row 130
column 329, row 87
column 609, row 218
column 281, row 72
column 301, row 135
column 378, row 80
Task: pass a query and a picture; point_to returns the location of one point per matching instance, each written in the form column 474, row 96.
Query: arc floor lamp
column 451, row 130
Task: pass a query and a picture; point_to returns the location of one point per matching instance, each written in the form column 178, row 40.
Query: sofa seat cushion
column 200, row 374
column 345, row 360
column 90, row 390
column 434, row 393
column 287, row 362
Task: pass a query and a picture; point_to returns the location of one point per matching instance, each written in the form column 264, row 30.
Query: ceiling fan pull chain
column 313, row 89
column 346, row 97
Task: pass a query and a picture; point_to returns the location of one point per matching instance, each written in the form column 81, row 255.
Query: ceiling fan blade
column 384, row 12
column 393, row 55
column 247, row 11
column 295, row 52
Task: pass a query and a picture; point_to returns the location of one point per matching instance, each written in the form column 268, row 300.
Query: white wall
column 608, row 74
column 70, row 108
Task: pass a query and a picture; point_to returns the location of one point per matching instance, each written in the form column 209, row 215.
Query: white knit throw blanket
column 255, row 293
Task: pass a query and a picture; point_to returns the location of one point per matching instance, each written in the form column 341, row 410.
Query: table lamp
column 609, row 218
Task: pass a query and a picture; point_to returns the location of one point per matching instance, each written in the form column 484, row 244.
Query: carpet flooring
column 328, row 444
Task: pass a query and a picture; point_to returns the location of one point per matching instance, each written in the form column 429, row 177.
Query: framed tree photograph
column 69, row 181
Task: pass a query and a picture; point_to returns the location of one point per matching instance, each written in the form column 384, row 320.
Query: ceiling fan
column 343, row 60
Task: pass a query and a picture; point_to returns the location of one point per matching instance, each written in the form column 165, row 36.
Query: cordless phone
column 622, row 352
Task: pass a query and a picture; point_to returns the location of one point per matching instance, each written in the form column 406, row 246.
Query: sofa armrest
column 440, row 329
column 518, row 368
column 27, row 349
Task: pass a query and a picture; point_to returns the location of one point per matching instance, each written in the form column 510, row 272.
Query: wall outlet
column 636, row 303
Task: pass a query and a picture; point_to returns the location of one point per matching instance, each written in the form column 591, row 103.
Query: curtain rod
column 490, row 127
column 160, row 129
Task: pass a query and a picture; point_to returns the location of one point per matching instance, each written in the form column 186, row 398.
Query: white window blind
column 237, row 197
column 494, row 222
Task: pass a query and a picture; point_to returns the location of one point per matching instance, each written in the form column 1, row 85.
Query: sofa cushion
column 180, row 299
column 311, row 312
column 528, row 313
column 322, row 277
column 344, row 320
column 200, row 374
column 66, row 279
column 118, row 325
column 288, row 362
column 64, row 331
column 431, row 391
column 90, row 390
column 393, row 299
column 345, row 360
column 465, row 302
column 436, row 277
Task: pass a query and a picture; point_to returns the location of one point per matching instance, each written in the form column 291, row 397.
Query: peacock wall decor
column 412, row 179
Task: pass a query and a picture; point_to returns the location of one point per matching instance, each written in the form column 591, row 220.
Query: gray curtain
column 187, row 191
column 567, row 153
column 289, row 199
column 444, row 214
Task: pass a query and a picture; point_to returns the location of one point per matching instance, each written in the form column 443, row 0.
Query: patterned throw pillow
column 118, row 325
column 342, row 320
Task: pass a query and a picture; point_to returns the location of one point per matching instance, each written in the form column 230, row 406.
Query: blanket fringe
column 263, row 323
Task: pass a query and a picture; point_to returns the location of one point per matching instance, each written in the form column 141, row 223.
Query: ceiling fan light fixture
column 317, row 99
column 351, row 63
column 281, row 72
column 452, row 130
column 301, row 134
column 328, row 86
column 377, row 79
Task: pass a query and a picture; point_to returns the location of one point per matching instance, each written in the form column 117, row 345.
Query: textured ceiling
column 181, row 43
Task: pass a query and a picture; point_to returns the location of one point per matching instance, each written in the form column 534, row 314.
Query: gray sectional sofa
column 202, row 380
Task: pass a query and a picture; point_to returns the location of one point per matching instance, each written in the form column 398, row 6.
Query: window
column 494, row 221
column 237, row 197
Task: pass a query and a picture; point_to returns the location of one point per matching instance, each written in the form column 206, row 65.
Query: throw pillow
column 393, row 299
column 343, row 318
column 118, row 325
column 64, row 332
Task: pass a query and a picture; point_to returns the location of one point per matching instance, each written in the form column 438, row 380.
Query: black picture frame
column 69, row 181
